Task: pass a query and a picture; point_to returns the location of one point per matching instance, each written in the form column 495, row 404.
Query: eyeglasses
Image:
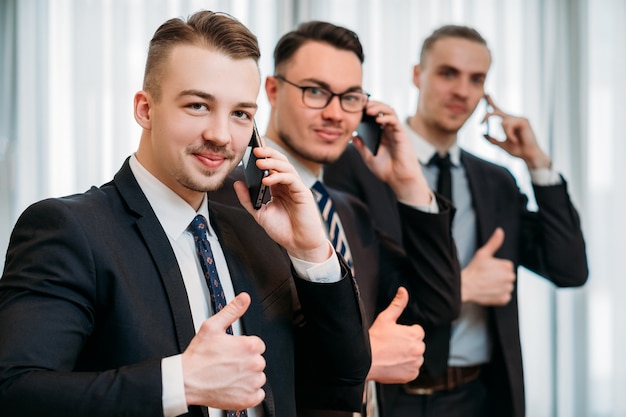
column 319, row 97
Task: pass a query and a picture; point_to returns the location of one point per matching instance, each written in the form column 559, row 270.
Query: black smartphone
column 259, row 193
column 370, row 132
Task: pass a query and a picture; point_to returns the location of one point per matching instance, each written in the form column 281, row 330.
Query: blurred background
column 69, row 70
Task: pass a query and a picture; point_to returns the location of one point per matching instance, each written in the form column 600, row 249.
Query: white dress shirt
column 175, row 215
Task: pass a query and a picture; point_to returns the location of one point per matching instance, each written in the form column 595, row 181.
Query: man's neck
column 442, row 141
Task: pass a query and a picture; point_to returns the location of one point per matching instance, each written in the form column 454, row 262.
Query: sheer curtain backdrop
column 69, row 70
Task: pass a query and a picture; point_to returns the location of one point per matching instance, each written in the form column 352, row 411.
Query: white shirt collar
column 425, row 151
column 174, row 213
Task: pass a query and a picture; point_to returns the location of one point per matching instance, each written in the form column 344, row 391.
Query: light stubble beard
column 302, row 153
column 186, row 179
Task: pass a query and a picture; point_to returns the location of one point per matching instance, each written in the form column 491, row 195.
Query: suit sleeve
column 333, row 377
column 553, row 242
column 427, row 266
column 47, row 312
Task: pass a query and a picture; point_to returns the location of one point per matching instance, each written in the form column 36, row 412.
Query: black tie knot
column 442, row 162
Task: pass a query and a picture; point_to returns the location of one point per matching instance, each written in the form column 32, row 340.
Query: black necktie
column 437, row 339
column 444, row 179
column 198, row 229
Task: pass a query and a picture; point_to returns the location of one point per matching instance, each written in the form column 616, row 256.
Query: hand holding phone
column 254, row 175
column 370, row 132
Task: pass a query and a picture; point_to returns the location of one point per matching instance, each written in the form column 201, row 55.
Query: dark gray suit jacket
column 431, row 275
column 92, row 299
column 548, row 242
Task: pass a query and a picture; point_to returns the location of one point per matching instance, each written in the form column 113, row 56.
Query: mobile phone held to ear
column 370, row 132
column 254, row 175
column 493, row 125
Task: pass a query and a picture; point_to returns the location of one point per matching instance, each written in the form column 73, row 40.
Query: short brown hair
column 219, row 31
column 451, row 31
column 333, row 35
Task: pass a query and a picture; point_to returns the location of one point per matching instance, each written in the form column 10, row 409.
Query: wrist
column 541, row 161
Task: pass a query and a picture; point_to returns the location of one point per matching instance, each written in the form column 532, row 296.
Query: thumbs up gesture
column 397, row 350
column 488, row 280
column 224, row 371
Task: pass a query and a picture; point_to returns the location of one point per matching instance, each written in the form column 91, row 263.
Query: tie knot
column 442, row 162
column 319, row 191
column 198, row 226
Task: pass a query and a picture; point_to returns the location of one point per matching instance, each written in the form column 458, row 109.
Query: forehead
column 191, row 67
column 321, row 61
column 462, row 54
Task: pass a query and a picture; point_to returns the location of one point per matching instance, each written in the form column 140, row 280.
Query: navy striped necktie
column 333, row 224
column 198, row 229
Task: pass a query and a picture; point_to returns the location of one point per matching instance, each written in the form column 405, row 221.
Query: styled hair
column 451, row 31
column 218, row 31
column 336, row 36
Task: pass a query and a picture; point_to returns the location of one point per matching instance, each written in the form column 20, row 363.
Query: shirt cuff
column 327, row 272
column 174, row 402
column 433, row 207
column 545, row 177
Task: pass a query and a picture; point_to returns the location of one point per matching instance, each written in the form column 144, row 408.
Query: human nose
column 333, row 109
column 462, row 87
column 217, row 131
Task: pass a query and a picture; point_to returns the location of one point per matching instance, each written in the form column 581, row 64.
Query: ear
column 417, row 70
column 142, row 107
column 271, row 89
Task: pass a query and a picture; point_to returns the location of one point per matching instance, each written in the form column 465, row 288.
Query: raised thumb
column 231, row 312
column 397, row 305
column 493, row 244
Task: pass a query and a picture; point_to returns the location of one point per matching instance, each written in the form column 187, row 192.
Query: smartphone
column 493, row 125
column 259, row 193
column 370, row 132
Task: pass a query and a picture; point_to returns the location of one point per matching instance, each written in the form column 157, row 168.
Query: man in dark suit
column 105, row 307
column 317, row 101
column 474, row 366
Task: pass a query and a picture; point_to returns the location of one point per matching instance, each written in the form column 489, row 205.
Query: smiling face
column 451, row 82
column 314, row 136
column 198, row 130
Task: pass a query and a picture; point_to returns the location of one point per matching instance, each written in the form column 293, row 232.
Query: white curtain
column 69, row 69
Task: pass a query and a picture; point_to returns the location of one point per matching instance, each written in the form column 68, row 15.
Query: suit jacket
column 92, row 299
column 431, row 275
column 548, row 242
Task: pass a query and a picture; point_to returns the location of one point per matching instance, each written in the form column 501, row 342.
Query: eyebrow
column 211, row 98
column 356, row 88
column 457, row 71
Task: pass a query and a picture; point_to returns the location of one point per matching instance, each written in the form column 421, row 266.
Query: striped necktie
column 198, row 229
column 333, row 224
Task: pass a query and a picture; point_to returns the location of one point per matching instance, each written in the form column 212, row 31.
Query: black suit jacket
column 92, row 299
column 548, row 242
column 431, row 275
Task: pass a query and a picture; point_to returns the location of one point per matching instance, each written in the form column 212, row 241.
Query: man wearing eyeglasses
column 317, row 102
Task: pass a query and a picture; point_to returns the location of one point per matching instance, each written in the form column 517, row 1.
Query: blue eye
column 316, row 91
column 198, row 106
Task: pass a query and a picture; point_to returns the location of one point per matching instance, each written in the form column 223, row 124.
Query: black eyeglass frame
column 305, row 88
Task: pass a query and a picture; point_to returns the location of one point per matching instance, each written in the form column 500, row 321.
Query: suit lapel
column 158, row 244
column 481, row 188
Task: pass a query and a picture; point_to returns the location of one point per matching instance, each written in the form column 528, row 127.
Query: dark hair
column 451, row 31
column 219, row 31
column 337, row 36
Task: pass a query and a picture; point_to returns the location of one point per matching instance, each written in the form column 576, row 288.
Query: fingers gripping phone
column 254, row 175
column 370, row 132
